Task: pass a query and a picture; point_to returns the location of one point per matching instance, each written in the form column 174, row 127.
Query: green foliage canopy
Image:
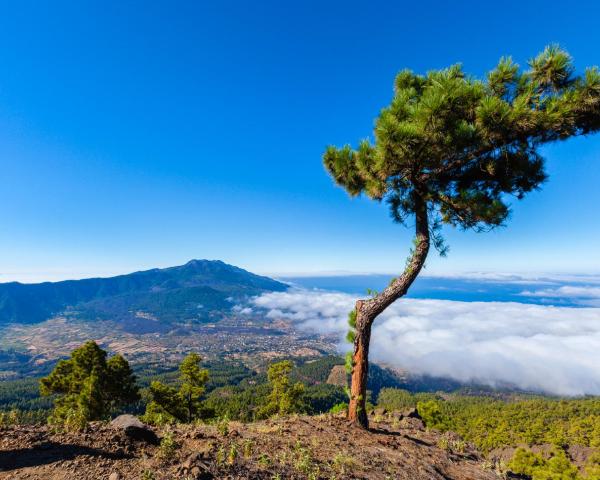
column 432, row 415
column 285, row 397
column 89, row 387
column 461, row 144
column 179, row 404
column 492, row 423
column 557, row 467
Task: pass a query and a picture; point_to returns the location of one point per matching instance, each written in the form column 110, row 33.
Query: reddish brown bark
column 360, row 361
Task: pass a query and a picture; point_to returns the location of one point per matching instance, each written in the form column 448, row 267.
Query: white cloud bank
column 535, row 347
column 582, row 295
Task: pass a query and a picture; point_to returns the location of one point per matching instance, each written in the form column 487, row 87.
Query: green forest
column 517, row 421
column 222, row 389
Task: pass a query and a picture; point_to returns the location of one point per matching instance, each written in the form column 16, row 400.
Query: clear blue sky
column 143, row 134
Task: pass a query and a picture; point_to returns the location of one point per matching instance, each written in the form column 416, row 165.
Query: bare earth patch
column 323, row 447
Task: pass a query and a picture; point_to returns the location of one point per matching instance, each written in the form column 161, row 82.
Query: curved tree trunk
column 360, row 367
column 368, row 310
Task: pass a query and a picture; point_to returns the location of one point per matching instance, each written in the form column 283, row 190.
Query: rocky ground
column 321, row 447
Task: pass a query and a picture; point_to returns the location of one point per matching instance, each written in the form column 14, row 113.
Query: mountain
column 192, row 291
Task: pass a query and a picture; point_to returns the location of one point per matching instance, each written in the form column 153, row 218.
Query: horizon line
column 482, row 275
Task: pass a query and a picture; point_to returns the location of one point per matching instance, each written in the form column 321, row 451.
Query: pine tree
column 285, row 397
column 451, row 149
column 193, row 381
column 88, row 386
column 183, row 404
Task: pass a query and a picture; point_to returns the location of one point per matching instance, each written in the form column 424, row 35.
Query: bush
column 168, row 447
column 339, row 408
column 432, row 416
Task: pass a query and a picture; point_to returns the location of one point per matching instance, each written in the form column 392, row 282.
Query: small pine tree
column 431, row 414
column 183, row 404
column 88, row 386
column 285, row 397
column 193, row 381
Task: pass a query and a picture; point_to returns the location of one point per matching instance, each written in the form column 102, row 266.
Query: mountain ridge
column 197, row 281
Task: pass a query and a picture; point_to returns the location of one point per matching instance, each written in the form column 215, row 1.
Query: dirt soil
column 321, row 447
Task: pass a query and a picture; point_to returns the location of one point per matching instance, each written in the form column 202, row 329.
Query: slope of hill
column 173, row 293
column 293, row 448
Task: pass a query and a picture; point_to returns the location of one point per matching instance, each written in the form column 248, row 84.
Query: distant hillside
column 191, row 291
column 331, row 370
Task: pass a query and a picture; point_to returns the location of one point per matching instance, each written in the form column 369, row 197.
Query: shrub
column 339, row 408
column 168, row 447
column 431, row 413
column 223, row 425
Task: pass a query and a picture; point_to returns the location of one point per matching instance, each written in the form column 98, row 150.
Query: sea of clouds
column 549, row 348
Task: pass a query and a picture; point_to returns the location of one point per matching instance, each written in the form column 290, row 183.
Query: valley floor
column 320, row 447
